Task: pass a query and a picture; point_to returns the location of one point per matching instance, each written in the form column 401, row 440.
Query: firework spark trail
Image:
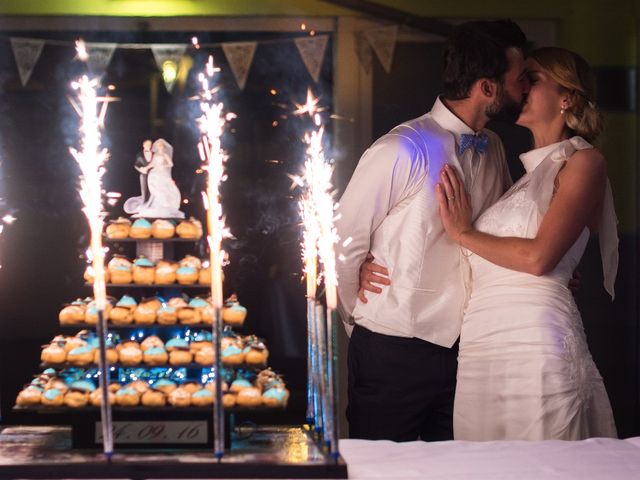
column 91, row 159
column 211, row 125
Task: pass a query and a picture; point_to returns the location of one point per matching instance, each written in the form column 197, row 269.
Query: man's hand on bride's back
column 371, row 274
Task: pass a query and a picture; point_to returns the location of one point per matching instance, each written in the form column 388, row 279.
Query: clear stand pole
column 311, row 385
column 218, row 407
column 105, row 406
column 322, row 347
column 332, row 381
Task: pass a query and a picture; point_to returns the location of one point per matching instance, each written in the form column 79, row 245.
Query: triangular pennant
column 240, row 55
column 26, row 51
column 100, row 57
column 383, row 42
column 312, row 52
column 164, row 53
column 363, row 51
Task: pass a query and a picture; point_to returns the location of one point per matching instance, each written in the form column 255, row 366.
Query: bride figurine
column 160, row 197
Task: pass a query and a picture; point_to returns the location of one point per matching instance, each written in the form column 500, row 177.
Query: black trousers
column 400, row 389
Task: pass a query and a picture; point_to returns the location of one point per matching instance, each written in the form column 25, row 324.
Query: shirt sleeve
column 388, row 172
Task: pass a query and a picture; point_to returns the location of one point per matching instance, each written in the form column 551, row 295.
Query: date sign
column 145, row 432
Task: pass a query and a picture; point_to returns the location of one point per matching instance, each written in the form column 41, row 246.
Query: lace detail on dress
column 514, row 206
column 582, row 371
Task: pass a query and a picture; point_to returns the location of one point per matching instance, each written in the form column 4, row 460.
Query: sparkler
column 317, row 211
column 211, row 125
column 91, row 158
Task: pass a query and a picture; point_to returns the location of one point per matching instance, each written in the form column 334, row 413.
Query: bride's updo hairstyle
column 573, row 73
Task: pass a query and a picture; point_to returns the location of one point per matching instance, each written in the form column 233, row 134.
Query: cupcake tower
column 159, row 351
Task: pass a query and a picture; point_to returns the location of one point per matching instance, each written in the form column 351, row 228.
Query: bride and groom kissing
column 454, row 284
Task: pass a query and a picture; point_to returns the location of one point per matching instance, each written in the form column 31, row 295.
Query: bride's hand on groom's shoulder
column 370, row 274
column 455, row 204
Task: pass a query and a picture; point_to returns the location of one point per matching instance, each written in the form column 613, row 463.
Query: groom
column 402, row 357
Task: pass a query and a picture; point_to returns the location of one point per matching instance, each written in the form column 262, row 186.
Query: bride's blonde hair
column 573, row 73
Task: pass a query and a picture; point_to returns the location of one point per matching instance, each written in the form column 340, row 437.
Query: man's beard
column 504, row 108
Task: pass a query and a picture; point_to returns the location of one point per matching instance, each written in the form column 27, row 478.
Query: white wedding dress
column 164, row 195
column 524, row 368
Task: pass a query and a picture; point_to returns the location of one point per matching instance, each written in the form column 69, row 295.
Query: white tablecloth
column 596, row 458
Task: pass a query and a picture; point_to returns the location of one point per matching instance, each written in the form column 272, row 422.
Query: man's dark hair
column 477, row 50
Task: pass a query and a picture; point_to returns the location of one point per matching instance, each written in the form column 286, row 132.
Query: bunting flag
column 164, row 53
column 240, row 56
column 26, row 52
column 312, row 52
column 383, row 41
column 363, row 51
column 100, row 57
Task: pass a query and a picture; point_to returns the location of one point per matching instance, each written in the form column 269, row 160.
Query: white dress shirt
column 390, row 208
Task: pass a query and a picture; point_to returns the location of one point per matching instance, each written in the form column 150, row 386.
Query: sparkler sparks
column 317, row 208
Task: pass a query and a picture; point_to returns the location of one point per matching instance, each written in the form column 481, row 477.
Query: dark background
column 43, row 251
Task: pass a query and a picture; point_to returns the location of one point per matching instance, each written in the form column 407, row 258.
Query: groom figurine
column 142, row 161
column 402, row 356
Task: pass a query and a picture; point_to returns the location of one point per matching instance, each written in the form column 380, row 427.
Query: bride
column 524, row 368
column 163, row 195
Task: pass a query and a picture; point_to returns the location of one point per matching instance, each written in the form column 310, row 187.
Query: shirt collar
column 448, row 120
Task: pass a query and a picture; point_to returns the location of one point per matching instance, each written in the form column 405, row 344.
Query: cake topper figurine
column 160, row 197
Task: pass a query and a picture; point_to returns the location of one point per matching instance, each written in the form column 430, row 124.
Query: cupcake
column 127, row 397
column 139, row 386
column 205, row 356
column 233, row 313
column 190, row 261
column 53, row 354
column 130, row 355
column 80, row 356
column 166, row 272
column 91, row 313
column 167, row 315
column 155, row 356
column 180, row 356
column 111, row 352
column 180, row 397
column 249, row 397
column 177, row 302
column 200, row 340
column 144, row 314
column 52, row 397
column 191, row 386
column 95, row 397
column 119, row 269
column 255, row 351
column 186, row 275
column 200, row 305
column 176, row 344
column 154, row 398
column 202, row 398
column 152, row 302
column 164, row 385
column 122, row 313
column 141, row 228
column 232, row 355
column 144, row 272
column 162, row 229
column 73, row 313
column 151, row 341
column 118, row 229
column 240, row 384
column 29, row 396
column 189, row 229
column 275, row 397
column 76, row 398
column 267, row 379
column 188, row 315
